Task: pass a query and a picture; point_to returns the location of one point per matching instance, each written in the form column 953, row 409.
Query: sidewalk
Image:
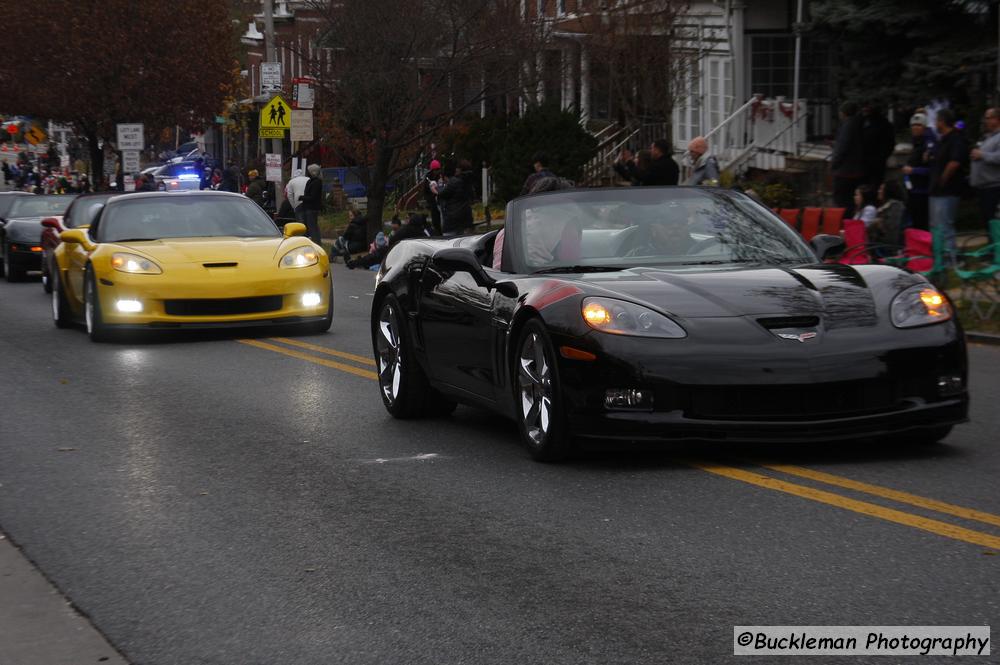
column 37, row 624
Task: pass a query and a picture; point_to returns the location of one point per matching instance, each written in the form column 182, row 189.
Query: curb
column 982, row 338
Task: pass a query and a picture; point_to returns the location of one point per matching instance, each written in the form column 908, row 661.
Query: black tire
column 3, row 258
column 403, row 385
column 94, row 320
column 47, row 275
column 14, row 272
column 543, row 428
column 320, row 327
column 61, row 314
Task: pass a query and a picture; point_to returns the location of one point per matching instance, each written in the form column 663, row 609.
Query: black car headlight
column 920, row 305
column 621, row 317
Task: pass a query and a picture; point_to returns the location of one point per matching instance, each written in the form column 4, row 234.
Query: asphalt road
column 207, row 500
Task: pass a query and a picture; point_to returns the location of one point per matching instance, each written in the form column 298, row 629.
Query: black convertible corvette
column 664, row 314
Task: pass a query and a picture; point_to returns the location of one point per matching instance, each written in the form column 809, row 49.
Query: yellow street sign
column 276, row 114
column 35, row 135
column 271, row 133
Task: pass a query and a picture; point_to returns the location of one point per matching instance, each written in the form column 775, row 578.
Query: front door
column 457, row 332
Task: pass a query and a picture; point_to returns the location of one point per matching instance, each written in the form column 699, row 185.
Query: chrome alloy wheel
column 390, row 356
column 535, row 385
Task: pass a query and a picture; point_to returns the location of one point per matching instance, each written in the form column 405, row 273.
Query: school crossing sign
column 275, row 118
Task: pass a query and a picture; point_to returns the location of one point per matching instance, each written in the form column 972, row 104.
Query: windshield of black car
column 181, row 216
column 83, row 210
column 657, row 227
column 39, row 206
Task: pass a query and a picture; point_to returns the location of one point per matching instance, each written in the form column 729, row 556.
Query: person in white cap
column 917, row 170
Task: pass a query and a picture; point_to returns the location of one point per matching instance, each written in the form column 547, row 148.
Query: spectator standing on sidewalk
column 848, row 158
column 294, row 190
column 540, row 163
column 456, row 201
column 431, row 185
column 704, row 166
column 947, row 178
column 879, row 140
column 256, row 188
column 985, row 175
column 230, row 178
column 312, row 203
column 917, row 170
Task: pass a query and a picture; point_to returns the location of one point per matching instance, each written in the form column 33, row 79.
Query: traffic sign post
column 276, row 114
column 130, row 161
column 131, row 136
column 302, row 126
column 272, row 167
column 270, row 77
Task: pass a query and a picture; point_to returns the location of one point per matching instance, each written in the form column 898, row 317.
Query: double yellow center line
column 299, row 351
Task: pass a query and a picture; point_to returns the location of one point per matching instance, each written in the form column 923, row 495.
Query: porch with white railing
column 761, row 133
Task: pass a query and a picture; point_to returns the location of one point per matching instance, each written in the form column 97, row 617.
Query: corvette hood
column 837, row 293
column 244, row 251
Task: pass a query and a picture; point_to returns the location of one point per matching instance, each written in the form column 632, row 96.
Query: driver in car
column 664, row 237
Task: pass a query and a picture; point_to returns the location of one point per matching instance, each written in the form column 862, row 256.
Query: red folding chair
column 919, row 245
column 833, row 219
column 856, row 239
column 790, row 216
column 810, row 222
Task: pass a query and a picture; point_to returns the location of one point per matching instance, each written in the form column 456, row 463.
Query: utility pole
column 279, row 188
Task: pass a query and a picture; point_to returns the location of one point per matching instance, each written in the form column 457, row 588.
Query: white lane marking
column 415, row 458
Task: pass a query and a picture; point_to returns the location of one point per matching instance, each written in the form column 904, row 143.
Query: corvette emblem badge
column 801, row 337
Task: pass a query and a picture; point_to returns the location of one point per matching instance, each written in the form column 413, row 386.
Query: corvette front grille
column 793, row 402
column 222, row 306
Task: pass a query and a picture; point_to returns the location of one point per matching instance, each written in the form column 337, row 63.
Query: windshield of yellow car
column 179, row 216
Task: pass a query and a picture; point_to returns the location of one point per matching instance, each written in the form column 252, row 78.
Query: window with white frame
column 718, row 89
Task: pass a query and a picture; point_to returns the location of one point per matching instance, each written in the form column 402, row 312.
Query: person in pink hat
column 431, row 186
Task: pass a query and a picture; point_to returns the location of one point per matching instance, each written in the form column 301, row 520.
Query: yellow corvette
column 189, row 260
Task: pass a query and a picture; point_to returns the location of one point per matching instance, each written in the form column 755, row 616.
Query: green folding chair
column 979, row 272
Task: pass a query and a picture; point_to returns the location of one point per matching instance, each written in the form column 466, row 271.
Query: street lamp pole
column 279, row 189
column 798, row 63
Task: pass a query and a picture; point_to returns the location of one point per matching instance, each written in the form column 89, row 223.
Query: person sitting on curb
column 353, row 239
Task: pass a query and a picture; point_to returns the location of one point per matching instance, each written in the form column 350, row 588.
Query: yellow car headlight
column 300, row 257
column 920, row 305
column 133, row 263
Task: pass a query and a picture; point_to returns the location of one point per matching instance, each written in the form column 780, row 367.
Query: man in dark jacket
column 230, row 178
column 312, row 203
column 540, row 164
column 662, row 169
column 354, row 238
column 879, row 140
column 256, row 188
column 430, row 190
column 456, row 201
column 848, row 158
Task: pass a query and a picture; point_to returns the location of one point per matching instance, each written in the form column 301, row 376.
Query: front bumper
column 849, row 387
column 162, row 299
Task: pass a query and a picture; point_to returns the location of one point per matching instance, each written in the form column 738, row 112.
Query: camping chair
column 790, row 216
column 833, row 219
column 810, row 222
column 856, row 238
column 979, row 272
column 923, row 253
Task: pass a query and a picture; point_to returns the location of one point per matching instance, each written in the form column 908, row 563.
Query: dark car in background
column 80, row 214
column 21, row 234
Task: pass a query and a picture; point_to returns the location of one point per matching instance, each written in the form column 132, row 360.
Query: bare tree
column 402, row 70
column 651, row 55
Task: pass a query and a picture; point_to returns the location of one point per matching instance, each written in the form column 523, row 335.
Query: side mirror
column 51, row 223
column 293, row 229
column 78, row 236
column 827, row 246
column 462, row 259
